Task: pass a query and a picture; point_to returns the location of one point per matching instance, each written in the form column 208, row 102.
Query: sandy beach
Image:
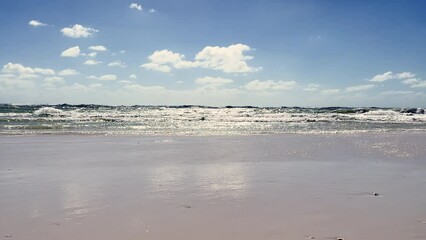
column 301, row 186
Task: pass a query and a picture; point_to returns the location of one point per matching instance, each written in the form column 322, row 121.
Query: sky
column 216, row 53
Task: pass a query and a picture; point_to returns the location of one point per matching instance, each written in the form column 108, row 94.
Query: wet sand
column 350, row 186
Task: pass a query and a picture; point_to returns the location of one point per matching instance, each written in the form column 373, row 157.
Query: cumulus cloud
column 396, row 92
column 98, row 48
column 382, row 77
column 420, row 84
column 92, row 62
column 152, row 10
column 107, row 77
column 15, row 82
column 92, row 54
column 359, row 88
column 135, row 6
column 68, row 72
column 311, row 87
column 53, row 82
column 330, row 91
column 410, row 81
column 71, row 52
column 212, row 82
column 117, row 64
column 20, row 69
column 229, row 59
column 133, row 76
column 36, row 23
column 16, row 75
column 404, row 75
column 257, row 85
column 78, row 31
column 390, row 75
column 156, row 67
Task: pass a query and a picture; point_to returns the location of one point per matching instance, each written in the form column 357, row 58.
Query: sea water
column 203, row 120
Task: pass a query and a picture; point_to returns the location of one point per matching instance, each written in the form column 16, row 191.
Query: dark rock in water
column 420, row 111
column 376, row 194
column 203, row 118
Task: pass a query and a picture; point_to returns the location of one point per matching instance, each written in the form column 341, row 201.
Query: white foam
column 49, row 111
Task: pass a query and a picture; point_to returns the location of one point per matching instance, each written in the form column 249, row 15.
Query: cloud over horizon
column 229, row 59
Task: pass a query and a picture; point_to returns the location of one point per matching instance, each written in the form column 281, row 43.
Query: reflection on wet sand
column 75, row 199
column 224, row 180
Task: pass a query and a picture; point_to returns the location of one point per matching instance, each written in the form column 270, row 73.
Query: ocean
column 203, row 120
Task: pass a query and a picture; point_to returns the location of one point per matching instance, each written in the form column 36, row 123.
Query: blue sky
column 251, row 52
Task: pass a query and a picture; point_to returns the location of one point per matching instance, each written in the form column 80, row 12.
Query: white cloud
column 16, row 68
column 26, row 71
column 359, row 88
column 166, row 57
column 36, row 23
column 389, row 75
column 330, row 91
column 45, row 71
column 152, row 10
column 311, row 87
column 125, row 81
column 117, row 64
column 92, row 54
column 229, row 59
column 123, row 51
column 78, row 31
column 71, row 52
column 410, row 81
column 257, row 85
column 212, row 82
column 92, row 62
column 80, row 87
column 382, row 77
column 420, row 84
column 107, row 77
column 14, row 82
column 98, row 48
column 28, row 76
column 133, row 76
column 52, row 82
column 135, row 6
column 404, row 75
column 393, row 93
column 68, row 72
column 179, row 82
column 156, row 67
column 94, row 85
